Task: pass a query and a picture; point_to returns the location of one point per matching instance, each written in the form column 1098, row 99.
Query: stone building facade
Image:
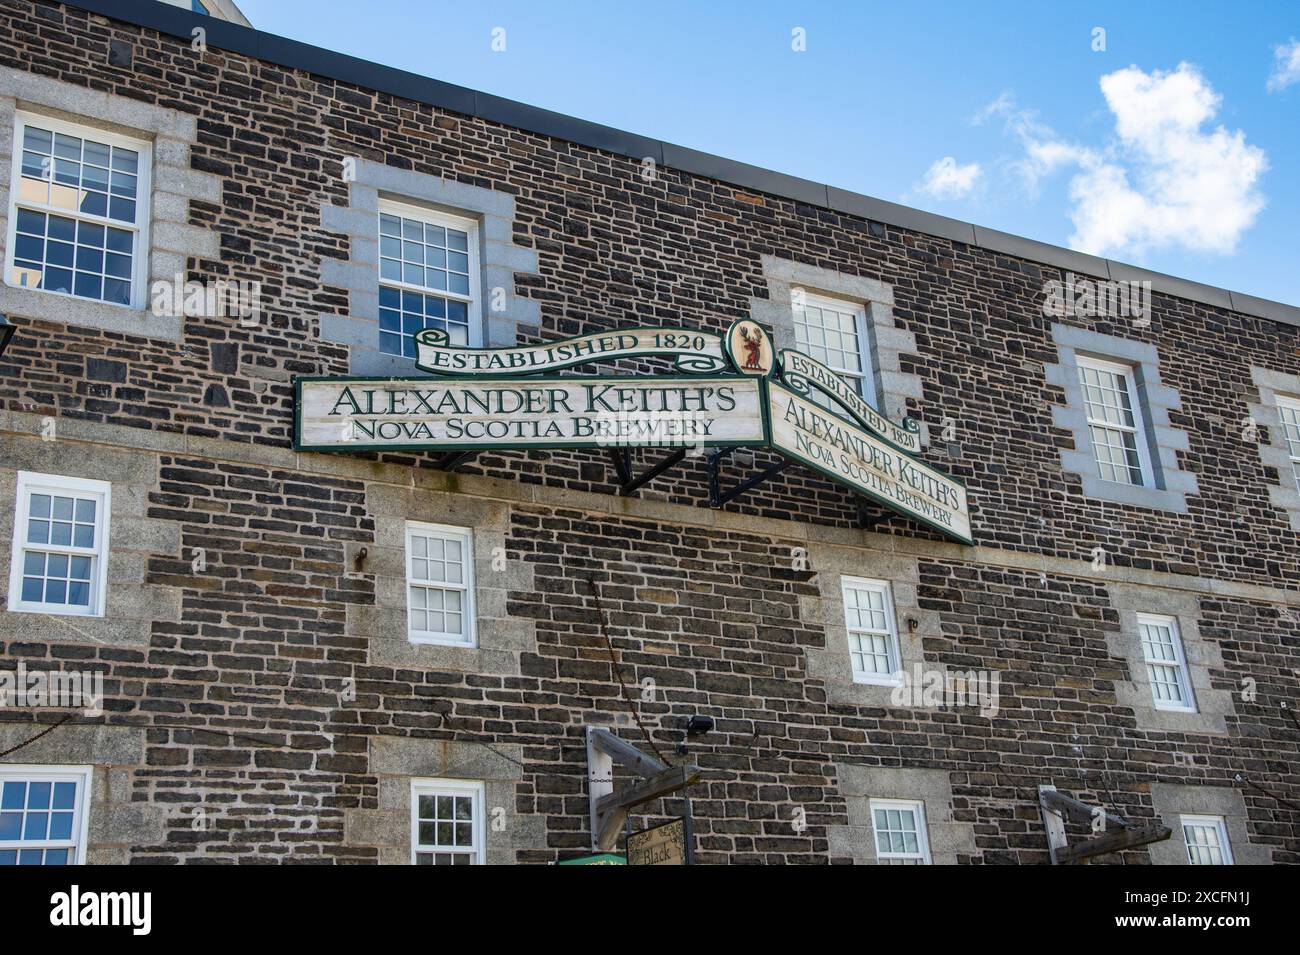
column 266, row 694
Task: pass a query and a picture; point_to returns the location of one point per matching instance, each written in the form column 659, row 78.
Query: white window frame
column 1184, row 673
column 1220, row 826
column 1139, row 418
column 1292, row 449
column 82, row 776
column 143, row 211
column 465, row 535
column 30, row 483
column 450, row 787
column 446, row 219
column 917, row 808
column 894, row 677
column 864, row 375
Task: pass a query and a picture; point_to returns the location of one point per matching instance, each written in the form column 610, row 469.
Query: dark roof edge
column 292, row 54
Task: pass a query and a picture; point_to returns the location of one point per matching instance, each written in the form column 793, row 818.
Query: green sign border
column 597, row 858
column 298, row 382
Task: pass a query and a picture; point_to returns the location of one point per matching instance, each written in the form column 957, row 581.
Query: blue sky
column 1175, row 148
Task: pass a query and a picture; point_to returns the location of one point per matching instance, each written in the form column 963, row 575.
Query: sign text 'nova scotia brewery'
column 726, row 391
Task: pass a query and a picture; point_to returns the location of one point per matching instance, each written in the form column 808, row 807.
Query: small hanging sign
column 659, row 845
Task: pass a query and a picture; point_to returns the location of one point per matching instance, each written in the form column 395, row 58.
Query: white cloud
column 1165, row 178
column 1044, row 152
column 1286, row 66
column 945, row 179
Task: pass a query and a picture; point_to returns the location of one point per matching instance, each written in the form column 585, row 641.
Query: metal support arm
column 629, row 482
column 719, row 497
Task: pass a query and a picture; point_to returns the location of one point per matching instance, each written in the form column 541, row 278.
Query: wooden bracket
column 609, row 808
column 623, row 752
column 1116, row 832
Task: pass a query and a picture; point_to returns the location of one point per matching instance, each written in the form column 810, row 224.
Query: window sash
column 858, row 372
column 144, row 188
column 75, row 843
column 1288, row 410
column 470, row 299
column 873, row 642
column 476, row 850
column 891, row 839
column 30, row 484
column 1166, row 663
column 467, row 636
column 1130, row 438
column 1206, row 840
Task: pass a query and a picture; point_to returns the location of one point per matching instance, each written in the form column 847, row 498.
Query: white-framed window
column 428, row 277
column 1119, row 443
column 79, row 212
column 1207, row 840
column 59, row 561
column 835, row 333
column 447, row 822
column 899, row 827
column 1288, row 410
column 873, row 636
column 1162, row 649
column 44, row 812
column 440, row 584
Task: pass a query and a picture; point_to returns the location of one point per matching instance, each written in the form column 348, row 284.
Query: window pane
column 1113, row 423
column 26, row 816
column 446, row 828
column 873, row 647
column 898, row 834
column 1204, row 843
column 418, row 253
column 90, row 178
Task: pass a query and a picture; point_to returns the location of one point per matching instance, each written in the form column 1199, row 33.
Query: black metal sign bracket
column 449, row 460
column 629, row 482
column 718, row 497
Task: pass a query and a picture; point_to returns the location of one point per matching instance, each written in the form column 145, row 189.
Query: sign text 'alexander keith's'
column 343, row 414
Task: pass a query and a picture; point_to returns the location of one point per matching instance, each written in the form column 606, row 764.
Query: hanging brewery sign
column 373, row 414
column 731, row 390
column 853, row 456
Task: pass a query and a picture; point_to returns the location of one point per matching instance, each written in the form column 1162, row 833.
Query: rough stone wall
column 613, row 249
column 269, row 731
column 268, row 724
